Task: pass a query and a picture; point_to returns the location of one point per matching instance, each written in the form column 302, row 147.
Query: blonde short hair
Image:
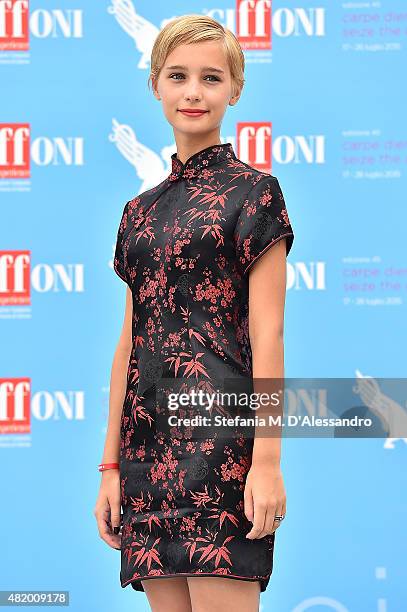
column 189, row 29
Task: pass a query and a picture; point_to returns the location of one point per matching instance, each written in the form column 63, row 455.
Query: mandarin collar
column 209, row 156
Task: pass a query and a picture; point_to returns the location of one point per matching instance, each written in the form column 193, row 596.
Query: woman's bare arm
column 264, row 492
column 267, row 289
column 118, row 380
column 107, row 508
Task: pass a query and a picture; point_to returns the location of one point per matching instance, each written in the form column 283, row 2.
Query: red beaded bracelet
column 107, row 466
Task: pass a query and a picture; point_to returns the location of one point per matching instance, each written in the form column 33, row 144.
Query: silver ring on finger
column 279, row 517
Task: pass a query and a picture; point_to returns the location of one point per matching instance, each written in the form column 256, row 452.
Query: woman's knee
column 219, row 594
column 168, row 594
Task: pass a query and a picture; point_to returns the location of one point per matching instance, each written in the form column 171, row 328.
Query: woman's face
column 195, row 76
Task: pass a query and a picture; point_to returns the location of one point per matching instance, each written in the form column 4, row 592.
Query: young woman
column 205, row 302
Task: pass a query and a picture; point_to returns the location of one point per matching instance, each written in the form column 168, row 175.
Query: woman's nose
column 193, row 91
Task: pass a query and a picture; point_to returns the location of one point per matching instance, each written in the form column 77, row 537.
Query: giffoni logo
column 17, row 150
column 17, row 278
column 254, row 22
column 17, row 404
column 17, row 23
column 257, row 147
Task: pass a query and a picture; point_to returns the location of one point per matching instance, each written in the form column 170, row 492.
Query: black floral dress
column 185, row 249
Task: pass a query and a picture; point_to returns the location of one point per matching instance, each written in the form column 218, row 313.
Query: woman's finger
column 268, row 522
column 258, row 522
column 107, row 534
column 115, row 514
column 104, row 527
column 248, row 503
column 279, row 512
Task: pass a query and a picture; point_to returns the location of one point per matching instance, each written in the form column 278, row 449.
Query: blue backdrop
column 325, row 101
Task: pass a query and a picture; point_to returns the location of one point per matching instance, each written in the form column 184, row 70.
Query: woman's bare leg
column 220, row 594
column 168, row 594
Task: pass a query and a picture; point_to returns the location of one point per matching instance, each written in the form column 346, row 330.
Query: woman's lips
column 193, row 113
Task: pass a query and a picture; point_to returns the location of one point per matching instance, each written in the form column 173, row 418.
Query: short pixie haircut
column 189, row 29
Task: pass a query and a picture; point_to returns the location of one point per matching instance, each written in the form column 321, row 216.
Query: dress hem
column 136, row 582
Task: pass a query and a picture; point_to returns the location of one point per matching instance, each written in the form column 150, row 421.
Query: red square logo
column 253, row 24
column 14, row 25
column 14, row 150
column 15, row 273
column 254, row 144
column 15, row 401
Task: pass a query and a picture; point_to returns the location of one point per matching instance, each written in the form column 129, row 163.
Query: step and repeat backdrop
column 324, row 110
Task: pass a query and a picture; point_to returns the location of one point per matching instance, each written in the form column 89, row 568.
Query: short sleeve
column 119, row 257
column 263, row 221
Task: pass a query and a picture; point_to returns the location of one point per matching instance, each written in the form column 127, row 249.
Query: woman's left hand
column 264, row 498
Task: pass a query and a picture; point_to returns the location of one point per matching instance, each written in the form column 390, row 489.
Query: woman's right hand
column 107, row 509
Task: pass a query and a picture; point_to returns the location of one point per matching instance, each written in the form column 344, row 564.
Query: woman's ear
column 155, row 90
column 234, row 99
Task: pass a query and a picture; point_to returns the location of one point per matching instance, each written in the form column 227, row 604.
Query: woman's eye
column 179, row 74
